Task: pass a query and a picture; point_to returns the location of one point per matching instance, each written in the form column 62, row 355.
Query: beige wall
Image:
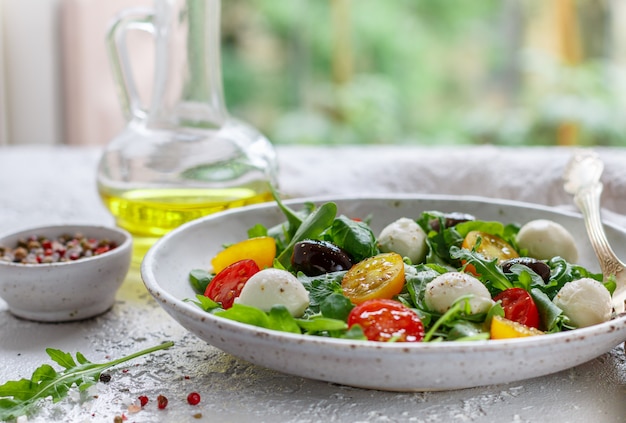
column 57, row 86
column 31, row 71
column 92, row 111
column 3, row 119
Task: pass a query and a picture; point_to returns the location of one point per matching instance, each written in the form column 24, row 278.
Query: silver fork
column 582, row 180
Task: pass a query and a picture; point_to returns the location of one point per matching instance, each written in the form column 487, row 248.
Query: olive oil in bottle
column 149, row 214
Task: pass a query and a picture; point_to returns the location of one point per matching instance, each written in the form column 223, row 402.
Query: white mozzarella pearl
column 585, row 301
column 545, row 239
column 270, row 287
column 447, row 288
column 405, row 237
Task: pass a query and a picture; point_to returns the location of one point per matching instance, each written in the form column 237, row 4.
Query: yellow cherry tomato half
column 491, row 247
column 502, row 328
column 380, row 276
column 260, row 249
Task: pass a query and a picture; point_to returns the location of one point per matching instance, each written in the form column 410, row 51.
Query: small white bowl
column 68, row 290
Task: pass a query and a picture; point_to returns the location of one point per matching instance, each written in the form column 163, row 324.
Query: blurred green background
column 506, row 72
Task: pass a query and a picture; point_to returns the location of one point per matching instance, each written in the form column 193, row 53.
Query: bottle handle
column 131, row 19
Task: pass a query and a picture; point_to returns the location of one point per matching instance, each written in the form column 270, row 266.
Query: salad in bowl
column 304, row 329
column 431, row 276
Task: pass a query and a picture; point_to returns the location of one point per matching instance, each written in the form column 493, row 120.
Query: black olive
column 451, row 219
column 537, row 266
column 314, row 258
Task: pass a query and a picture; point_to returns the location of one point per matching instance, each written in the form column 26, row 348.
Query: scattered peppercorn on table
column 193, row 381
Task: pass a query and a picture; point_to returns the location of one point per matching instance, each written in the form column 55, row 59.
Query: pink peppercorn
column 193, row 398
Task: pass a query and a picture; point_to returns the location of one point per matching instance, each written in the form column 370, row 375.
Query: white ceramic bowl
column 65, row 291
column 387, row 366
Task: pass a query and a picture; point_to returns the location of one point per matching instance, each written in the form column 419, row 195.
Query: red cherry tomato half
column 384, row 320
column 519, row 307
column 227, row 284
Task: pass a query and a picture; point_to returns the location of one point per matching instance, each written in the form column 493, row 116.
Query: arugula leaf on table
column 18, row 397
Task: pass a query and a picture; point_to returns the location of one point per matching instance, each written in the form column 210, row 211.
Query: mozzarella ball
column 585, row 301
column 545, row 239
column 447, row 288
column 405, row 237
column 270, row 287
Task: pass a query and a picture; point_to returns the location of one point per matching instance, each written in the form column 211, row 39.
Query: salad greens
column 328, row 307
column 18, row 397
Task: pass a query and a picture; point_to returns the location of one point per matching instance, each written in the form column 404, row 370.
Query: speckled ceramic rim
column 186, row 310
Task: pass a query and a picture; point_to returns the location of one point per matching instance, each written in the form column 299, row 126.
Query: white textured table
column 50, row 185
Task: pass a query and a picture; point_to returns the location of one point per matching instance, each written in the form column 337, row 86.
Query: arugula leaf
column 417, row 277
column 336, row 306
column 284, row 232
column 18, row 397
column 200, row 279
column 320, row 324
column 467, row 331
column 506, row 232
column 489, row 272
column 550, row 315
column 257, row 231
column 354, row 237
column 458, row 324
column 205, row 303
column 310, row 228
column 321, row 286
column 562, row 272
column 246, row 314
column 524, row 277
column 490, row 227
column 439, row 244
column 610, row 284
column 461, row 307
column 293, row 219
column 280, row 319
column 355, row 333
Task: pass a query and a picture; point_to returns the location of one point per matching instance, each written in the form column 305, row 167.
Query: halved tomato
column 380, row 276
column 490, row 247
column 519, row 306
column 503, row 328
column 227, row 284
column 386, row 320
